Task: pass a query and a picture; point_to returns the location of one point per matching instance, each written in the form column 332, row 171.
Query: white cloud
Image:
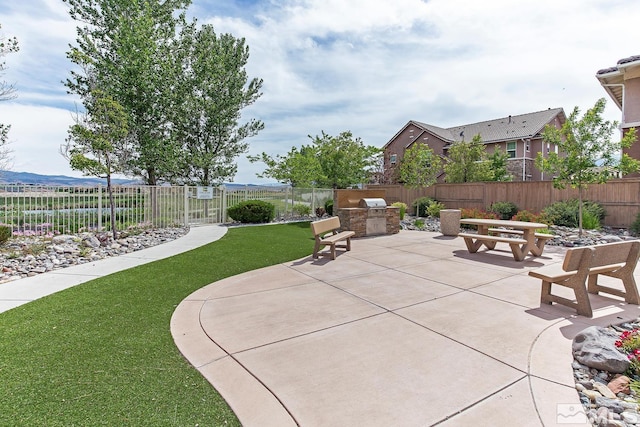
column 370, row 66
column 37, row 132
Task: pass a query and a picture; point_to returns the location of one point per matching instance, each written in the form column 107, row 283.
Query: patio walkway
column 404, row 330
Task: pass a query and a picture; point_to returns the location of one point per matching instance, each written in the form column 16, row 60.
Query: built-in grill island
column 366, row 213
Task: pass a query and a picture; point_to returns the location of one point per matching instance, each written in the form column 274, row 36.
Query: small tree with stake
column 588, row 154
column 96, row 143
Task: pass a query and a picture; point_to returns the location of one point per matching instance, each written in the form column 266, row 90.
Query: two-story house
column 520, row 136
column 622, row 83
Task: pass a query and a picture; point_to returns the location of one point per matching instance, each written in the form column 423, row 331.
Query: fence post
column 223, row 198
column 186, row 205
column 100, row 207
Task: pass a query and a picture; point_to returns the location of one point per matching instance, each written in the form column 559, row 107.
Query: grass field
column 101, row 353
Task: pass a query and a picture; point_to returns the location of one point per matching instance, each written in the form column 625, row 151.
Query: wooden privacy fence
column 620, row 197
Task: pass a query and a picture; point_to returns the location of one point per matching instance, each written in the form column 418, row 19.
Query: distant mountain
column 28, row 178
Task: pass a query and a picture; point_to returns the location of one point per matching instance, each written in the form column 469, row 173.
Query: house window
column 528, row 145
column 511, row 149
column 393, row 159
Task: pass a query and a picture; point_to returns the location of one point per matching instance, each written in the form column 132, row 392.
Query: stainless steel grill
column 376, row 215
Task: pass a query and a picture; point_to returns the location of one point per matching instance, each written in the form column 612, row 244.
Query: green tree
column 128, row 49
column 7, row 91
column 344, row 160
column 213, row 90
column 588, row 154
column 498, row 165
column 298, row 168
column 467, row 162
column 419, row 167
column 96, row 143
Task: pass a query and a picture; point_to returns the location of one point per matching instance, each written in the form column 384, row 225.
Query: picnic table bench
column 526, row 239
column 580, row 269
column 326, row 233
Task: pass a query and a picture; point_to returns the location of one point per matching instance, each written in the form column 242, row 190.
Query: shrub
column 403, row 208
column 5, row 233
column 477, row 213
column 252, row 211
column 504, row 210
column 590, row 221
column 565, row 213
column 328, row 207
column 418, row 223
column 435, row 208
column 635, row 226
column 301, row 209
column 421, row 204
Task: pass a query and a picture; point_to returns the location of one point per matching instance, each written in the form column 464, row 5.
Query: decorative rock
column 595, row 347
column 630, row 417
column 604, row 390
column 592, row 395
column 91, row 242
column 619, row 384
column 18, row 259
column 613, row 404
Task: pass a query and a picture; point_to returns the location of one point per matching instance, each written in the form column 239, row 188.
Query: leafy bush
column 590, row 221
column 403, row 208
column 525, row 215
column 5, row 233
column 328, row 207
column 418, row 223
column 635, row 226
column 565, row 213
column 421, row 204
column 477, row 213
column 301, row 209
column 504, row 210
column 252, row 211
column 435, row 208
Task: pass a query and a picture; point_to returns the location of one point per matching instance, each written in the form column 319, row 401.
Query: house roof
column 491, row 131
column 612, row 78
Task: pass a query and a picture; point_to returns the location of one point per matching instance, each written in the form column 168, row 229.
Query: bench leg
column 519, row 252
column 472, row 246
column 316, row 249
column 630, row 293
column 538, row 248
column 333, row 251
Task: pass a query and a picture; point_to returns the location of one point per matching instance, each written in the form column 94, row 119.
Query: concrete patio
column 404, row 330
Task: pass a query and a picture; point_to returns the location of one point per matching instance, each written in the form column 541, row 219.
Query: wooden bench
column 475, row 241
column 580, row 269
column 326, row 232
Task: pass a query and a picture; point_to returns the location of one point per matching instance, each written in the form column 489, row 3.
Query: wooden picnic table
column 527, row 240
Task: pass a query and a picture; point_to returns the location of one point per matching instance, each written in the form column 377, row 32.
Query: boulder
column 595, row 347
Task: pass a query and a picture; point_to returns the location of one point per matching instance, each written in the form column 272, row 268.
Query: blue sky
column 367, row 66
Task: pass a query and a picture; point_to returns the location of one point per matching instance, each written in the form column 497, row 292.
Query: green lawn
column 101, row 353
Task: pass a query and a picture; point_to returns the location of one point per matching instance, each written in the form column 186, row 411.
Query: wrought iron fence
column 32, row 209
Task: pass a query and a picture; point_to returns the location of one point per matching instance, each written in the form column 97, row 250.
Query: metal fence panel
column 30, row 209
